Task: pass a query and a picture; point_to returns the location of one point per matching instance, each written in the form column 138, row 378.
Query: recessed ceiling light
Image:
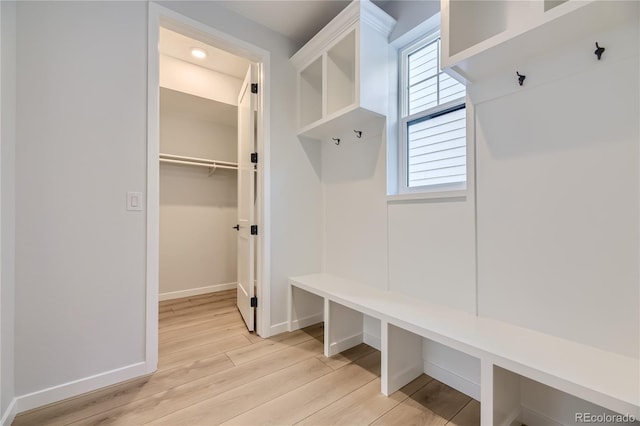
column 196, row 52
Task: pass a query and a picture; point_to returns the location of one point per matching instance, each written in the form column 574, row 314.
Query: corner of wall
column 7, row 417
column 7, row 200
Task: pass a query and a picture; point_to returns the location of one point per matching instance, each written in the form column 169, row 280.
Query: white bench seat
column 603, row 378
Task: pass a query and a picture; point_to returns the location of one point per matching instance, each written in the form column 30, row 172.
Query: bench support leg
column 401, row 358
column 343, row 328
column 500, row 395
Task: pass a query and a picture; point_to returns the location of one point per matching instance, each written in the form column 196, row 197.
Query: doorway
column 180, row 91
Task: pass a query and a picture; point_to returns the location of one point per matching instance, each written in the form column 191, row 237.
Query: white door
column 246, row 192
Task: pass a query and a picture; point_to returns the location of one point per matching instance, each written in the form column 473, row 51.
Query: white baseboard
column 400, row 379
column 513, row 417
column 449, row 378
column 373, row 341
column 344, row 344
column 77, row 387
column 196, row 291
column 533, row 417
column 10, row 413
column 280, row 328
column 297, row 324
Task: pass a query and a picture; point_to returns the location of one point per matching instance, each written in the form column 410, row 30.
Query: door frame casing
column 160, row 16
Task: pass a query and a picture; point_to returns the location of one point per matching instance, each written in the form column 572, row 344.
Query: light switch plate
column 134, row 201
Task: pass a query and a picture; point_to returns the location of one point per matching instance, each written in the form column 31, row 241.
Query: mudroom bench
column 506, row 353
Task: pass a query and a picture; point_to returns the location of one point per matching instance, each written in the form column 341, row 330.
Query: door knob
column 237, row 227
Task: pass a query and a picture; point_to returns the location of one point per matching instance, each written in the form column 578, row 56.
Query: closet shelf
column 201, row 162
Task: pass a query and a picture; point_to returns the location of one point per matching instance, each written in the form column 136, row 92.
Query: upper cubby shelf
column 342, row 74
column 483, row 37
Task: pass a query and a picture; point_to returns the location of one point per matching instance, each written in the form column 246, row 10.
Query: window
column 433, row 148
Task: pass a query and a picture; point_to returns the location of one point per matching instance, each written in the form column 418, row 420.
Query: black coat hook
column 520, row 78
column 358, row 133
column 599, row 51
column 337, row 140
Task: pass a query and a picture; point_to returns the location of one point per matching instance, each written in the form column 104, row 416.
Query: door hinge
column 254, row 87
column 254, row 229
column 254, row 157
column 254, row 302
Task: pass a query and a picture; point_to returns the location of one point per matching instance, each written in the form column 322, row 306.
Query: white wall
column 558, row 201
column 7, row 227
column 198, row 81
column 81, row 128
column 355, row 227
column 80, row 256
column 558, row 205
column 409, row 13
column 197, row 211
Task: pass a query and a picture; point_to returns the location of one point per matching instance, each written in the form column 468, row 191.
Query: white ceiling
column 297, row 20
column 179, row 46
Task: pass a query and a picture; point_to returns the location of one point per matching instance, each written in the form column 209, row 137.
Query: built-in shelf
column 483, row 37
column 198, row 162
column 342, row 75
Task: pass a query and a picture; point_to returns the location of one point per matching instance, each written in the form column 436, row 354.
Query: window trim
column 446, row 190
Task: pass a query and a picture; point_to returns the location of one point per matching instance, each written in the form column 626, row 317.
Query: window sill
column 457, row 195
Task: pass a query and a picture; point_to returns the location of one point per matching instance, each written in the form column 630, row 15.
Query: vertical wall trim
column 153, row 189
column 475, row 200
column 1, row 231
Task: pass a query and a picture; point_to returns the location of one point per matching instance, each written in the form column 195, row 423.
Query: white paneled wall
column 558, row 207
column 558, row 198
column 355, row 223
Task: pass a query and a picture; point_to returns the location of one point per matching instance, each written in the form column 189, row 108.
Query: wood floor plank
column 274, row 344
column 205, row 338
column 187, row 355
column 224, row 321
column 347, row 357
column 120, row 395
column 468, row 416
column 313, row 396
column 148, row 409
column 364, row 405
column 187, row 308
column 434, row 404
column 217, row 409
column 185, row 321
column 281, row 380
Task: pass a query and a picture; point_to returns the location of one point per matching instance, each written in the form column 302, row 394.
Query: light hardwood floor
column 212, row 371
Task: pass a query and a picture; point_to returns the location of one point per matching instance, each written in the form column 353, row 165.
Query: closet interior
column 199, row 87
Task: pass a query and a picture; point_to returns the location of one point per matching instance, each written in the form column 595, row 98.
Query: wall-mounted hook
column 212, row 170
column 358, row 133
column 337, row 140
column 520, row 78
column 599, row 51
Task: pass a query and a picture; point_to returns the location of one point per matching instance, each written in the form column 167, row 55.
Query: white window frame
column 446, row 190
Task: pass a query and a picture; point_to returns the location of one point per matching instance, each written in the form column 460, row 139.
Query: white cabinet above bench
column 343, row 75
column 483, row 37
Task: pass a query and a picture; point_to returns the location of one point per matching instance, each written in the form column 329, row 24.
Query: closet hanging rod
column 193, row 163
column 195, row 160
